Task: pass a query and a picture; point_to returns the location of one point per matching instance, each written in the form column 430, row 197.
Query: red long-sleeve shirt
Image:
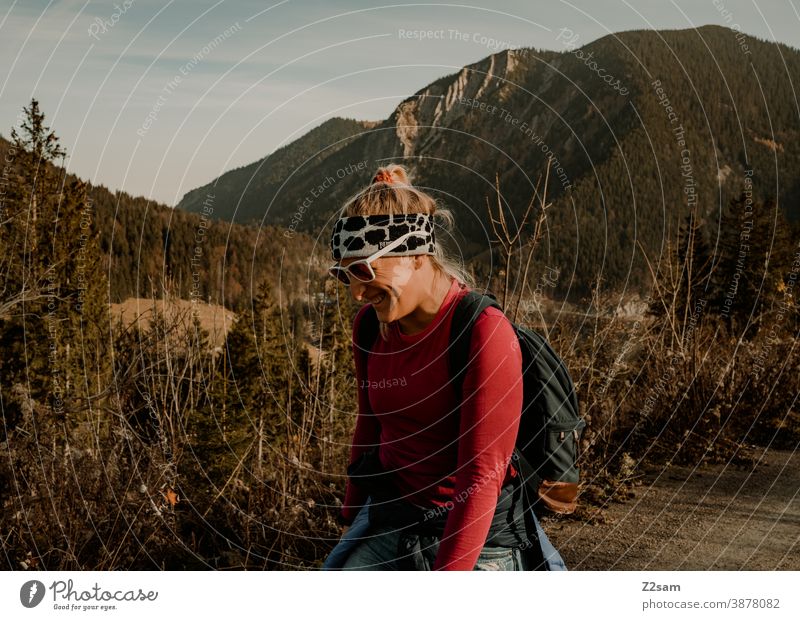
column 441, row 449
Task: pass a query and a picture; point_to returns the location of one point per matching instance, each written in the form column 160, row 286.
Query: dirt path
column 714, row 517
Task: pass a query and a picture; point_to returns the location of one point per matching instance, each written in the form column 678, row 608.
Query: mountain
column 245, row 194
column 644, row 126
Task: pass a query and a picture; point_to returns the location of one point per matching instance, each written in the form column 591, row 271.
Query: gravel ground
column 713, row 517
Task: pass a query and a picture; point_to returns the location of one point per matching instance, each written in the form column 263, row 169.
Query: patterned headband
column 360, row 236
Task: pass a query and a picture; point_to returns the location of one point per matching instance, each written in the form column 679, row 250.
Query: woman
column 432, row 485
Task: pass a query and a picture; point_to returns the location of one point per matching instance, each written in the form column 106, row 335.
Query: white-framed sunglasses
column 361, row 269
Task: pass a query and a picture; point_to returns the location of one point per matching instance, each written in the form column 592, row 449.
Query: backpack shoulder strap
column 465, row 314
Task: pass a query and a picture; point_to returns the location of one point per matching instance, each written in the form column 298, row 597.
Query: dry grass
column 215, row 319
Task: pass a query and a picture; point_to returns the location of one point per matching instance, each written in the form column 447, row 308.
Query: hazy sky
column 157, row 98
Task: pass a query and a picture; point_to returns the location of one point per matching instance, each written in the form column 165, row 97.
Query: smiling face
column 394, row 292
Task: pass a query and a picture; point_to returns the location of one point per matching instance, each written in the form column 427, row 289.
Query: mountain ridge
column 621, row 180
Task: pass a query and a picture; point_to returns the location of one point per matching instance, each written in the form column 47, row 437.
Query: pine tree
column 334, row 385
column 753, row 262
column 54, row 289
column 249, row 406
column 684, row 284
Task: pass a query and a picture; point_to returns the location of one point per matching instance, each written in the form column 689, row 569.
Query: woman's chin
column 384, row 311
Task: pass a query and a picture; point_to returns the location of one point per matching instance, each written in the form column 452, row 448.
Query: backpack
column 546, row 448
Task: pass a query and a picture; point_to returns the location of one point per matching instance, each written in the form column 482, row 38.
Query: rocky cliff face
column 418, row 119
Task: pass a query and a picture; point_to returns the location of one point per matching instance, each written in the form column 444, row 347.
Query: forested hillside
column 148, row 248
column 246, row 194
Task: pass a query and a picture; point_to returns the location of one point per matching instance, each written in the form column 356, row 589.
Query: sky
column 159, row 97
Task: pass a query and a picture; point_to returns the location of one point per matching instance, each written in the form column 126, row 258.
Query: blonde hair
column 399, row 196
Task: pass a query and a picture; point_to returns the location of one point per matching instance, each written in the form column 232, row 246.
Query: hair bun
column 383, row 176
column 393, row 174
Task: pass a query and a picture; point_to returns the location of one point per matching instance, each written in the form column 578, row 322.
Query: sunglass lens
column 361, row 271
column 340, row 274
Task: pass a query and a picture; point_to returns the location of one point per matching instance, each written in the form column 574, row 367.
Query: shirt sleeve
column 365, row 436
column 490, row 414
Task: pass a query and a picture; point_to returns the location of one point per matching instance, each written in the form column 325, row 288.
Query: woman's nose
column 357, row 289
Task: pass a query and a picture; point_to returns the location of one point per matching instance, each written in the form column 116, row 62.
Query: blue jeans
column 382, row 551
column 376, row 548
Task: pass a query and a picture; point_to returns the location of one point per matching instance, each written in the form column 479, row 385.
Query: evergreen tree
column 250, row 400
column 54, row 289
column 684, row 285
column 754, row 261
column 336, row 389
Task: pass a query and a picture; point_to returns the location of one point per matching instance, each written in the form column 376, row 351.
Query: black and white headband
column 360, row 236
